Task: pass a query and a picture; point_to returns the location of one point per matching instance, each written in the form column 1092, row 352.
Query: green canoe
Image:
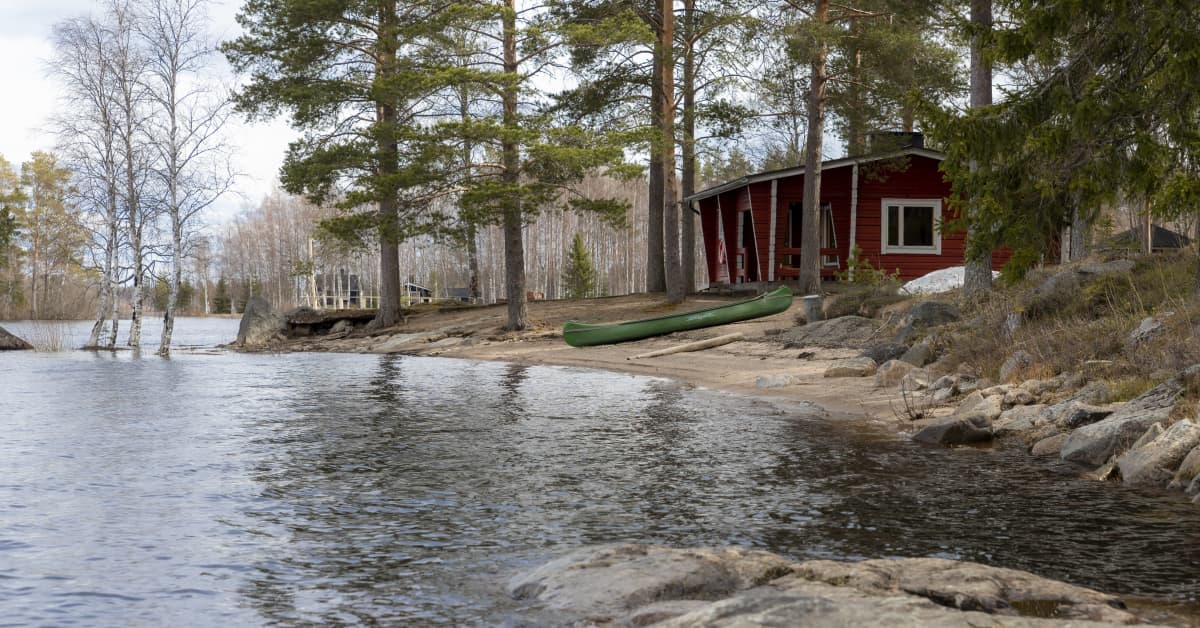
column 585, row 335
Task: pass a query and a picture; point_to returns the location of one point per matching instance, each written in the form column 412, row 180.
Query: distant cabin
column 341, row 289
column 891, row 205
column 1161, row 239
column 462, row 295
column 413, row 293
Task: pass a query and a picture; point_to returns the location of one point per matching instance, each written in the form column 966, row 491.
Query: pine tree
column 355, row 78
column 579, row 275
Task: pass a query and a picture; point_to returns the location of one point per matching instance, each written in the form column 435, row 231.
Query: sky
column 31, row 96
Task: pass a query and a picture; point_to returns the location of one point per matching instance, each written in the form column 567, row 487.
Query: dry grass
column 1093, row 328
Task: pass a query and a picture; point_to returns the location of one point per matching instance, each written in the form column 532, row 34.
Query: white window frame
column 935, row 203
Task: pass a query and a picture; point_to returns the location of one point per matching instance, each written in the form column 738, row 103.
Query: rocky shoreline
column 642, row 585
column 889, row 370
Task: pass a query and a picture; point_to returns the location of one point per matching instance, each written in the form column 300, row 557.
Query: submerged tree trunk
column 810, row 257
column 977, row 274
column 514, row 245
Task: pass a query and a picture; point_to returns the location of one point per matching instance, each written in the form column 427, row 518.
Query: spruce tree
column 579, row 275
column 1104, row 102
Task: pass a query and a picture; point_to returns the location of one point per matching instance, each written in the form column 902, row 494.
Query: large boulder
column 1093, row 444
column 925, row 315
column 977, row 405
column 1053, row 294
column 852, row 367
column 968, row 586
column 1150, row 327
column 638, row 585
column 1018, row 419
column 1188, row 470
column 1115, row 267
column 1049, row 446
column 890, row 373
column 843, row 331
column 1155, row 463
column 1070, row 415
column 884, row 351
column 603, row 583
column 1014, row 364
column 919, row 354
column 955, row 430
column 260, row 324
column 9, row 342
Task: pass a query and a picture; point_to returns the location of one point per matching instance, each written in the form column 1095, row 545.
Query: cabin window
column 911, row 225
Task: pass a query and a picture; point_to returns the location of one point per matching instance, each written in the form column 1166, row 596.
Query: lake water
column 216, row 487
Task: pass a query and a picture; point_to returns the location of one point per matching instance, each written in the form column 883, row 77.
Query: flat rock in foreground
column 9, row 342
column 626, row 585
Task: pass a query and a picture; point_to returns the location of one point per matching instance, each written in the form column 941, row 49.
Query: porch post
column 853, row 219
column 771, row 246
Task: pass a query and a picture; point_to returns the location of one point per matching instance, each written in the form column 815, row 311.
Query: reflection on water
column 250, row 489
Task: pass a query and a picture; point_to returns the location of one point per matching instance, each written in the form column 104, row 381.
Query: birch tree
column 190, row 115
column 89, row 140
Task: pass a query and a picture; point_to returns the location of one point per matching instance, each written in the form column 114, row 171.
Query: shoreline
column 734, row 368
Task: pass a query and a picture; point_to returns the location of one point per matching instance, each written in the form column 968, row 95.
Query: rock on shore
column 9, row 342
column 638, row 585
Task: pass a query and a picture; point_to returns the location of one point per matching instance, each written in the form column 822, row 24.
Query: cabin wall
column 920, row 179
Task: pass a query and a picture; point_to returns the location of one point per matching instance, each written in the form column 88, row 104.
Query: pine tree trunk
column 656, row 277
column 977, row 274
column 688, row 148
column 810, row 257
column 672, row 268
column 1080, row 227
column 389, row 206
column 514, row 246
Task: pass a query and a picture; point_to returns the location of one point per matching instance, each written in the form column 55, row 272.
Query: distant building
column 1161, row 239
column 414, row 293
column 339, row 290
column 462, row 295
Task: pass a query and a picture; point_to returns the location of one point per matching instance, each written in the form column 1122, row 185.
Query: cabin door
column 748, row 247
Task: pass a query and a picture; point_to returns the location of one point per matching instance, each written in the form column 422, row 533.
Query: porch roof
column 799, row 170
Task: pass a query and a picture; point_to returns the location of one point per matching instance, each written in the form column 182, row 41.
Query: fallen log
column 692, row 346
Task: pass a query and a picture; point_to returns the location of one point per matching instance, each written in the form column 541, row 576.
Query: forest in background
column 462, row 146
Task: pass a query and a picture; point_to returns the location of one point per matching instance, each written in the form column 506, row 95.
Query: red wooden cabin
column 752, row 225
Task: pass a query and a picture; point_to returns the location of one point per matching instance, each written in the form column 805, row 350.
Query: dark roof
column 799, row 170
column 458, row 292
column 1160, row 238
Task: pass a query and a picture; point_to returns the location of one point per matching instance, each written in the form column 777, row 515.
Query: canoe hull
column 586, row 335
